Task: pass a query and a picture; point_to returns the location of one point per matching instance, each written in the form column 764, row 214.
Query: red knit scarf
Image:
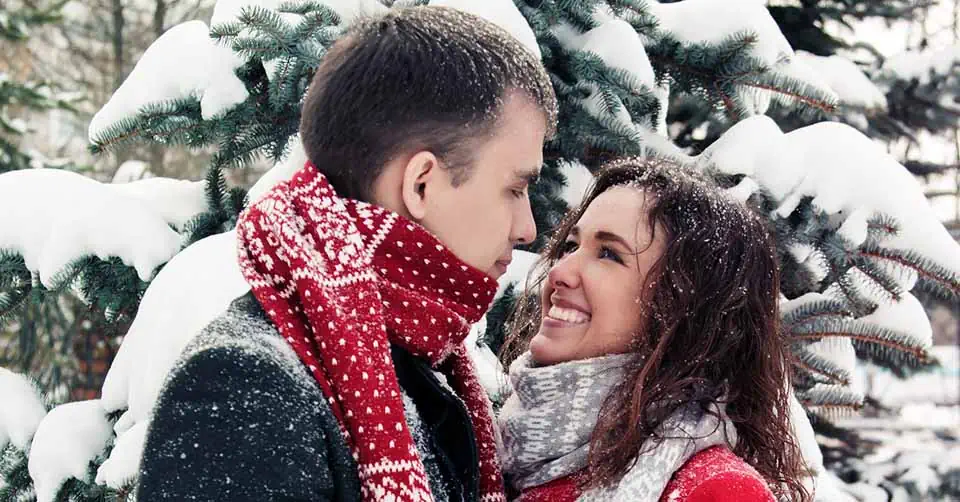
column 342, row 280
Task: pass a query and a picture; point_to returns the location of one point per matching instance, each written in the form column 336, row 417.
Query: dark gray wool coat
column 241, row 419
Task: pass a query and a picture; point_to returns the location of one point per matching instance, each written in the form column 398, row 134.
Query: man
column 343, row 375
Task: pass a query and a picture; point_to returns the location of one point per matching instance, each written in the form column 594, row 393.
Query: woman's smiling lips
column 563, row 314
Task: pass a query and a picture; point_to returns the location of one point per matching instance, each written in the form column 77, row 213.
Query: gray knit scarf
column 548, row 420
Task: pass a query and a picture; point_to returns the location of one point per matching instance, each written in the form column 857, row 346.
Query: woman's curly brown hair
column 711, row 328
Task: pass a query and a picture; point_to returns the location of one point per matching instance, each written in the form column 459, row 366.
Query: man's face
column 486, row 216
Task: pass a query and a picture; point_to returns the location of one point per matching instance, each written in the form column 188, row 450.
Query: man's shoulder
column 239, row 418
column 244, row 333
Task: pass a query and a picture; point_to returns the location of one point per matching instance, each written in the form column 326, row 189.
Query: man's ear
column 422, row 169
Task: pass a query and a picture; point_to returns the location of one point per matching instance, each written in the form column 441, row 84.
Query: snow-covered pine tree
column 887, row 97
column 851, row 252
column 904, row 97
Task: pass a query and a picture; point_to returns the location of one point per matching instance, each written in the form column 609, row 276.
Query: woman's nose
column 565, row 273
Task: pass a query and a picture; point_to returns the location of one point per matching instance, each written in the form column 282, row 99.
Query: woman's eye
column 567, row 247
column 609, row 254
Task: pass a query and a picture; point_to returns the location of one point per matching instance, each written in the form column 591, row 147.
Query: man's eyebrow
column 530, row 176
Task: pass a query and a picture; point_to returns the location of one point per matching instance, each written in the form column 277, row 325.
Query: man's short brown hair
column 419, row 78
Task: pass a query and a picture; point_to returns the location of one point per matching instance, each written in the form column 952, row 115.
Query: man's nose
column 524, row 226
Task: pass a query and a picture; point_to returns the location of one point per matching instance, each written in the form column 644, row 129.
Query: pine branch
column 937, row 277
column 178, row 117
column 722, row 70
column 215, row 189
column 882, row 345
column 264, row 49
column 16, row 484
column 826, row 308
column 224, row 31
column 807, row 96
column 304, row 7
column 265, row 22
column 830, row 400
column 818, row 366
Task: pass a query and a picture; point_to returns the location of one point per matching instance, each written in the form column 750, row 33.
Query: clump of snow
column 183, row 62
column 190, row 291
column 490, row 372
column 620, row 47
column 282, row 171
column 922, row 64
column 193, row 289
column 855, row 227
column 569, row 36
column 502, row 13
column 711, row 22
column 831, row 162
column 810, row 257
column 844, row 77
column 85, row 217
column 937, row 387
column 743, row 148
column 68, row 438
column 22, row 409
column 579, row 179
column 176, row 201
column 803, row 433
column 787, row 306
column 132, row 170
column 906, row 315
column 124, row 462
column 830, row 488
column 799, row 251
column 838, row 350
column 818, row 265
column 743, row 190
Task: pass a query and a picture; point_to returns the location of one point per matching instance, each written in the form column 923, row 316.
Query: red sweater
column 713, row 475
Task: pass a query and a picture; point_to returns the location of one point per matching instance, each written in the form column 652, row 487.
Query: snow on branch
column 503, row 13
column 54, row 218
column 768, row 70
column 831, row 163
column 711, row 22
column 191, row 291
column 830, row 400
column 852, row 86
column 21, row 412
column 67, row 440
column 184, row 62
column 922, row 65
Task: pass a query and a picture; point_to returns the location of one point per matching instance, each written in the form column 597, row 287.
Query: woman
column 656, row 369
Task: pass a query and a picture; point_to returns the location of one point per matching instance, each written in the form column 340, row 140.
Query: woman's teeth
column 568, row 315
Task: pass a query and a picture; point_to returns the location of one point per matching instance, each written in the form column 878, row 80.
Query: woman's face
column 591, row 302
